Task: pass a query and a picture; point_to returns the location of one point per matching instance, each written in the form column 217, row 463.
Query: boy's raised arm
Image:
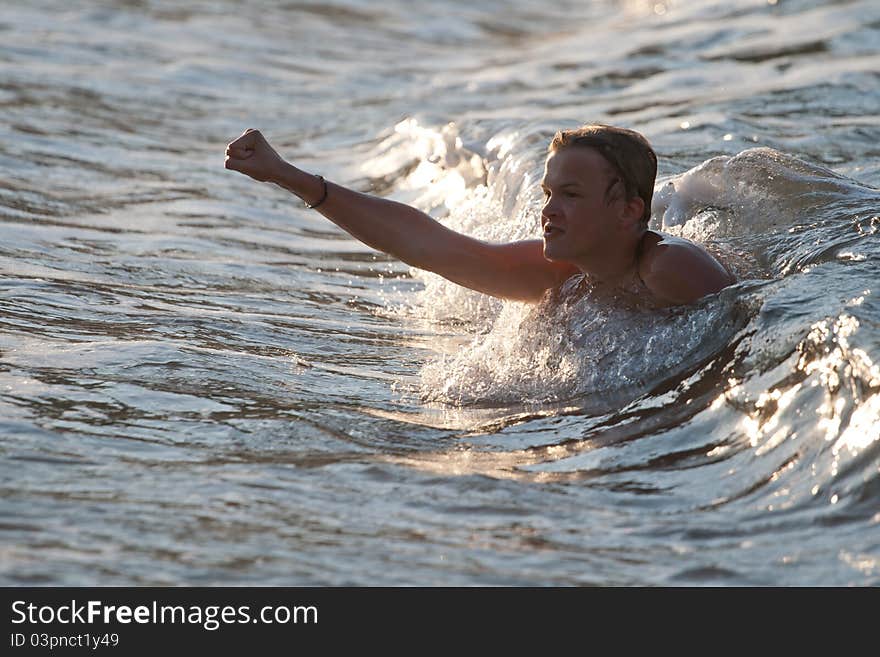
column 513, row 271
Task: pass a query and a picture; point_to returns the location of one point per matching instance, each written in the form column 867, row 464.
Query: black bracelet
column 323, row 196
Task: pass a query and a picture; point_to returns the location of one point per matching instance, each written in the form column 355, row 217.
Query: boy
column 598, row 184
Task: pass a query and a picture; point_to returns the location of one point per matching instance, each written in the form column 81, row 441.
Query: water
column 203, row 383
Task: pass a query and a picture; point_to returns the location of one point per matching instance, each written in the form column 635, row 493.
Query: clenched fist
column 252, row 155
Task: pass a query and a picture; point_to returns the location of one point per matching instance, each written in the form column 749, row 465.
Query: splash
column 486, row 190
column 587, row 346
column 759, row 211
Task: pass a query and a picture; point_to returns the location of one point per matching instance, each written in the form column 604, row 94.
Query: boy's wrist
column 280, row 173
column 287, row 176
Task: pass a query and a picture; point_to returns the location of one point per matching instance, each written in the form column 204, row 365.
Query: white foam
column 760, row 190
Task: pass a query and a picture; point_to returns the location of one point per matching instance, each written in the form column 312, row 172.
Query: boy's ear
column 633, row 209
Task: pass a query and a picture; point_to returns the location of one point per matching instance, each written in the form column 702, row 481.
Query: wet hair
column 628, row 153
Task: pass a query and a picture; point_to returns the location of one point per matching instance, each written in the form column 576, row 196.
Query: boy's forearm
column 394, row 228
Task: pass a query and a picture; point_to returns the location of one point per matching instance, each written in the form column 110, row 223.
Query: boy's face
column 579, row 225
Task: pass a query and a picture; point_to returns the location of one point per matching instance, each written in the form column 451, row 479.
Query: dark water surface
column 201, row 382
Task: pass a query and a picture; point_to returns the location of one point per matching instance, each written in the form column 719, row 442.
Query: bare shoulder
column 678, row 271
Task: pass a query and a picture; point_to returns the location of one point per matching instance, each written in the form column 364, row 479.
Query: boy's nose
column 549, row 210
